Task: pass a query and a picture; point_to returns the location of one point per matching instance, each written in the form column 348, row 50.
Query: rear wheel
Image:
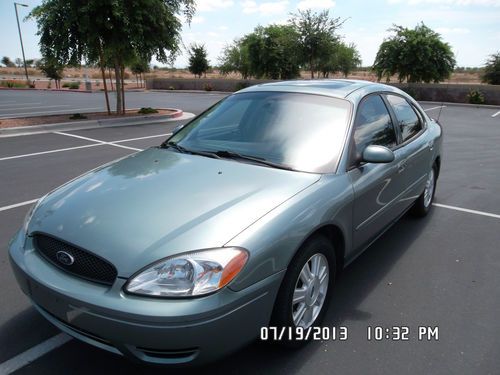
column 305, row 291
column 423, row 204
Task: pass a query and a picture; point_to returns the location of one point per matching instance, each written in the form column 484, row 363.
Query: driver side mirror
column 377, row 154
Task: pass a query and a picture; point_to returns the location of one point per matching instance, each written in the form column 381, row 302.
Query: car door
column 377, row 186
column 414, row 143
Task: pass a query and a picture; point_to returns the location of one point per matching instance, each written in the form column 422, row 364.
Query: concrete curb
column 93, row 124
column 193, row 91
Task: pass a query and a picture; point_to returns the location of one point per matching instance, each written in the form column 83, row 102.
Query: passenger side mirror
column 377, row 154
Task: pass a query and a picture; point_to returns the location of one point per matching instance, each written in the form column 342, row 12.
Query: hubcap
column 310, row 291
column 429, row 189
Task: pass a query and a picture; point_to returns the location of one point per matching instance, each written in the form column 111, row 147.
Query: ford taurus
column 242, row 219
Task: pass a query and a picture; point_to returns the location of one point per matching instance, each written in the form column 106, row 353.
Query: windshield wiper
column 184, row 150
column 254, row 159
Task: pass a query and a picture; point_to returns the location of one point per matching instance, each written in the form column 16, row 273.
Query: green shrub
column 207, row 87
column 147, row 110
column 475, row 97
column 78, row 116
column 74, row 85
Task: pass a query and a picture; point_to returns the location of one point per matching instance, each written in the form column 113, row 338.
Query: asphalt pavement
column 441, row 271
column 22, row 103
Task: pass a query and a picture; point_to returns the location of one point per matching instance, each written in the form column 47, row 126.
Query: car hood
column 158, row 202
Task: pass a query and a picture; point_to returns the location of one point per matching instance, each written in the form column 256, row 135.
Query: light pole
column 21, row 39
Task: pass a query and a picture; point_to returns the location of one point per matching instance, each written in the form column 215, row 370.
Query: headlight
column 28, row 216
column 189, row 274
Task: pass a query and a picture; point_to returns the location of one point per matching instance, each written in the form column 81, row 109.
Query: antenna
column 442, row 103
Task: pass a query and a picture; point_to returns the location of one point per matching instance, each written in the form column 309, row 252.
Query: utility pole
column 21, row 39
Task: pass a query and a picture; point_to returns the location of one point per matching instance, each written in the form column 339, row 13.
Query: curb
column 192, row 91
column 93, row 124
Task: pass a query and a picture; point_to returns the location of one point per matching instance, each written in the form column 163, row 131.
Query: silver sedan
column 242, row 219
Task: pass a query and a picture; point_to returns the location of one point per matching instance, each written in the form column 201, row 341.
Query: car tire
column 423, row 204
column 318, row 252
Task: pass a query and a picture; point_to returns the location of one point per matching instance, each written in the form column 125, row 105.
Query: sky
column 471, row 27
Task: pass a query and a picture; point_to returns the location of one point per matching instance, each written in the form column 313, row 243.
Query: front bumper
column 153, row 330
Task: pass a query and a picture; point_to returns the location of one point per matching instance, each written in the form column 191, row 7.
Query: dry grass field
column 75, row 74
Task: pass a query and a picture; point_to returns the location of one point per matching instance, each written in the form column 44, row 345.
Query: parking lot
column 442, row 271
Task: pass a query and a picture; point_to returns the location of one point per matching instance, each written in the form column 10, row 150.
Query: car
column 242, row 219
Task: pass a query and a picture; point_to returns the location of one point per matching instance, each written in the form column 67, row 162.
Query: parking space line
column 482, row 213
column 5, row 208
column 495, row 114
column 98, row 141
column 139, row 138
column 16, row 104
column 50, row 151
column 44, row 112
column 39, row 106
column 430, row 109
column 113, row 143
column 30, row 355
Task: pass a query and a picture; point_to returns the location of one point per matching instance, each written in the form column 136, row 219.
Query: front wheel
column 423, row 204
column 305, row 291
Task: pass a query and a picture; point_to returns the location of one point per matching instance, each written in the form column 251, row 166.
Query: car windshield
column 303, row 132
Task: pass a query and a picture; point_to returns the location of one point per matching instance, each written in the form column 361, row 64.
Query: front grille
column 84, row 264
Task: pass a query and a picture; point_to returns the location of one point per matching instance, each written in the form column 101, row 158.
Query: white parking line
column 16, row 104
column 84, row 146
column 475, row 212
column 97, row 141
column 46, row 112
column 430, row 109
column 5, row 208
column 30, row 355
column 139, row 138
column 39, row 106
column 50, row 151
column 495, row 114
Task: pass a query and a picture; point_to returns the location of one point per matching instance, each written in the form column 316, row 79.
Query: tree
column 19, row 62
column 317, row 34
column 348, row 58
column 270, row 52
column 52, row 70
column 138, row 68
column 340, row 57
column 273, row 52
column 415, row 55
column 492, row 70
column 198, row 61
column 8, row 62
column 235, row 59
column 114, row 30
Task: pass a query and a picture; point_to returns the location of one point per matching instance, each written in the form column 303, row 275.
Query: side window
column 373, row 126
column 408, row 121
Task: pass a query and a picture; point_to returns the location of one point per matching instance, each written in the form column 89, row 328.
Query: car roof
column 339, row 88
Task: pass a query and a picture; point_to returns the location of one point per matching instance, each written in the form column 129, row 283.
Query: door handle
column 402, row 165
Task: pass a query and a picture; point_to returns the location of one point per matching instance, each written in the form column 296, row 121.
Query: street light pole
column 21, row 39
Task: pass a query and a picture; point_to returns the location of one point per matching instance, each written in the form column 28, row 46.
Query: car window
column 373, row 126
column 408, row 121
column 301, row 131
